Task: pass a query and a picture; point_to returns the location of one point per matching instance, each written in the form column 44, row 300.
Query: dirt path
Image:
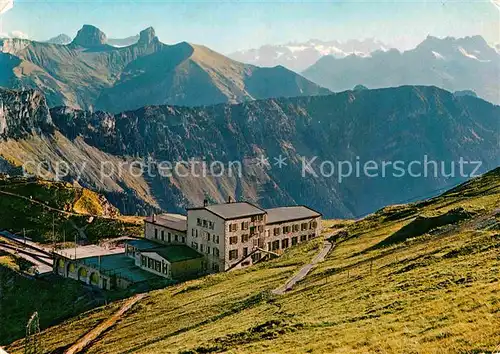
column 91, row 336
column 320, row 257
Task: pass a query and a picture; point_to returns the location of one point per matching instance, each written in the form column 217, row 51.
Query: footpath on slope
column 91, row 336
column 302, row 273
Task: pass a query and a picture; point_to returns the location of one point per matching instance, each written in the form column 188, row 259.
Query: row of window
column 205, row 223
column 206, row 235
column 285, row 243
column 295, row 228
column 168, row 237
column 205, row 249
column 245, row 226
column 154, row 265
column 233, row 254
column 234, row 239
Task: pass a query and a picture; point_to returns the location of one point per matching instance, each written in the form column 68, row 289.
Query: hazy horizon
column 228, row 27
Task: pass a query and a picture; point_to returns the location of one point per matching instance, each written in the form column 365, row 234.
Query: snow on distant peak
column 297, row 48
column 437, row 55
column 471, row 56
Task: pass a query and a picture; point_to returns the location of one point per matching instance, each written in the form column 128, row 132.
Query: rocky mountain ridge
column 406, row 123
column 91, row 74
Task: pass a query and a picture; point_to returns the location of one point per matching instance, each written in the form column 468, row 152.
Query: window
column 201, row 248
column 295, row 240
column 198, row 222
column 183, row 239
column 176, row 238
column 244, row 225
column 284, row 243
column 233, row 227
column 233, row 240
column 233, row 254
column 208, row 250
column 257, row 218
column 276, row 231
column 162, row 235
column 269, row 247
column 261, row 228
column 205, row 223
column 194, row 245
column 276, row 245
column 295, row 227
column 216, row 252
column 156, row 233
column 192, row 232
column 217, row 239
column 245, row 251
column 215, row 267
column 143, row 261
column 206, row 235
column 196, row 234
column 244, row 238
column 314, row 224
column 211, row 225
column 169, row 237
column 303, row 226
column 253, row 230
column 286, row 229
column 303, row 238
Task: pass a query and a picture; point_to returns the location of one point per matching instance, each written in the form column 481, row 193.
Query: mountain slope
column 453, row 64
column 89, row 73
column 31, row 206
column 401, row 124
column 434, row 293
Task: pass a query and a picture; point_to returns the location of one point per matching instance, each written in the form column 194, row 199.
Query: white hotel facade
column 236, row 234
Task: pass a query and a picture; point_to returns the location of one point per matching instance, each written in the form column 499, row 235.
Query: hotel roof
column 175, row 253
column 172, row 221
column 235, row 210
column 291, row 213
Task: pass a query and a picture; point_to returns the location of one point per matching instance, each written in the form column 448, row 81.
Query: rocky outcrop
column 147, row 36
column 22, row 113
column 89, row 36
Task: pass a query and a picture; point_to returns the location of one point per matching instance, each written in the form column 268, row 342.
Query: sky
column 227, row 26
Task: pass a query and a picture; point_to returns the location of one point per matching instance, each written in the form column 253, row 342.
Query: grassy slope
column 17, row 213
column 55, row 299
column 429, row 294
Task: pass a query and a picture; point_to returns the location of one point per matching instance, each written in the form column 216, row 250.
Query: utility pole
column 32, row 342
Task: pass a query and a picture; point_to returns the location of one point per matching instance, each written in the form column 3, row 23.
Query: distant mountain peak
column 90, row 36
column 147, row 36
column 62, row 39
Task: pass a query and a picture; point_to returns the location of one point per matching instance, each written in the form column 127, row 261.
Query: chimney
column 154, row 218
column 205, row 202
column 229, row 199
